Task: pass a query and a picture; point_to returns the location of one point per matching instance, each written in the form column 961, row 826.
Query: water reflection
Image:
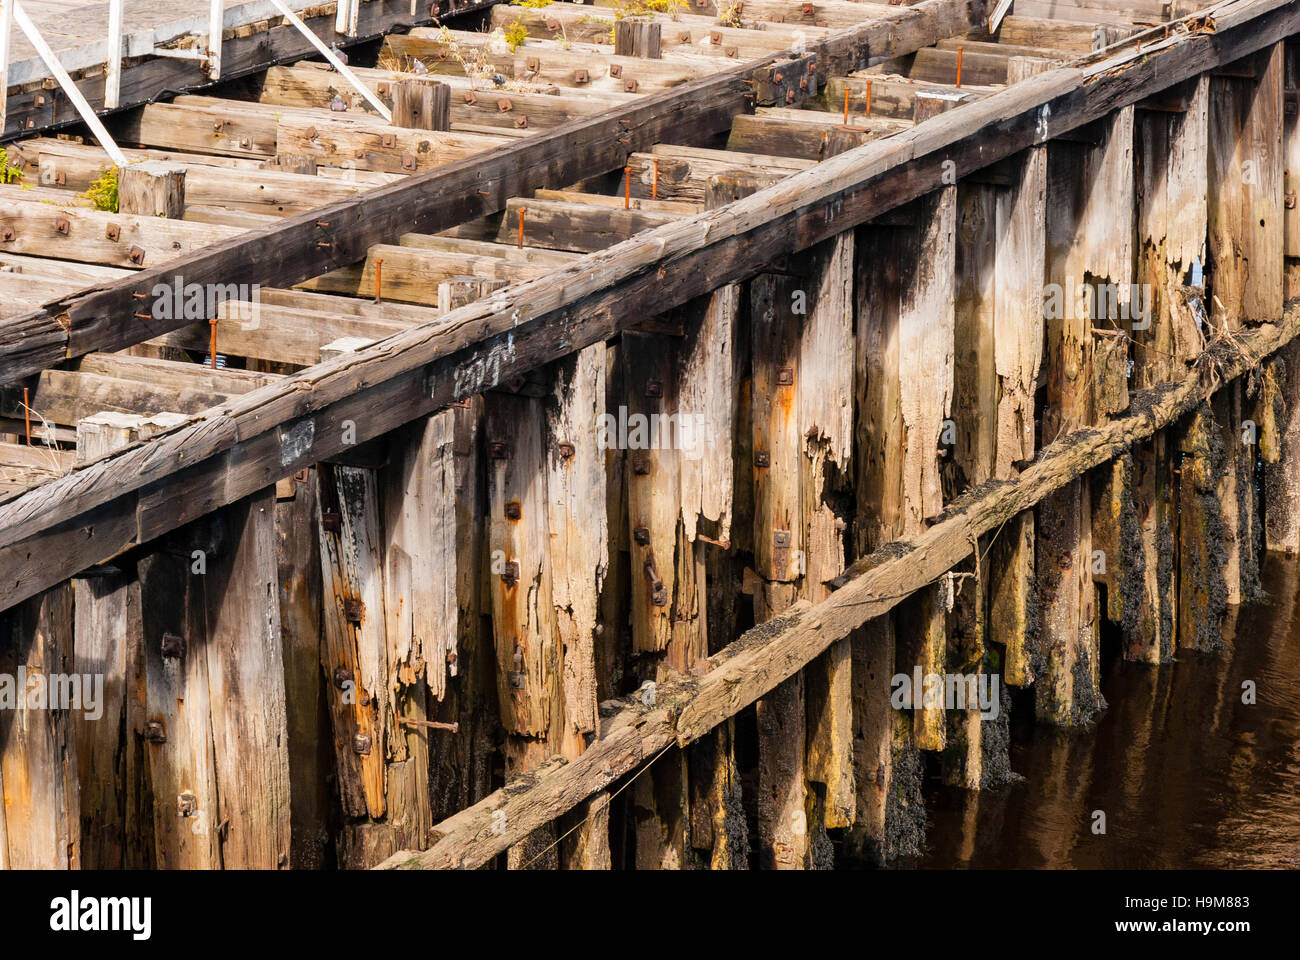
column 1186, row 774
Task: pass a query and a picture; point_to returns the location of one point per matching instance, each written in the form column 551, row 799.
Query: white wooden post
column 113, row 57
column 73, row 93
column 6, row 23
column 216, row 23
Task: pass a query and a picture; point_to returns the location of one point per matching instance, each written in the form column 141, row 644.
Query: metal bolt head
column 408, row 161
column 136, row 256
column 785, row 377
column 629, row 86
column 173, row 646
column 510, row 573
column 7, row 234
column 581, row 76
column 112, row 232
column 566, row 449
column 616, row 70
column 388, row 140
column 361, row 744
column 514, row 510
column 781, row 538
column 187, row 805
column 154, row 732
column 762, row 458
column 640, row 464
column 641, row 535
column 659, row 595
column 62, row 225
column 342, row 677
column 654, row 388
column 331, row 521
column 498, row 450
column 354, row 609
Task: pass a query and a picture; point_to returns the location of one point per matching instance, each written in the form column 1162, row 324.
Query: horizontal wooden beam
column 764, row 657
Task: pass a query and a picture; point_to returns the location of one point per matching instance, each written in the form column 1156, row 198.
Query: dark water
column 1187, row 775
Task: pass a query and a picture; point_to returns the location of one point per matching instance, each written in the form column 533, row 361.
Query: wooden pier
column 558, row 475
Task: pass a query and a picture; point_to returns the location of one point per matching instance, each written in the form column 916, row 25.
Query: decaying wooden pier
column 570, row 460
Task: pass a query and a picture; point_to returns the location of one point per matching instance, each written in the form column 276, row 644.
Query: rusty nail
column 514, row 510
column 510, row 573
column 331, row 521
column 498, row 450
column 361, row 744
column 762, row 458
column 62, row 225
column 342, row 677
column 785, row 377
column 154, row 732
column 187, row 805
column 112, row 231
column 408, row 161
column 566, row 450
column 136, row 256
column 354, row 609
column 173, row 646
column 641, row 535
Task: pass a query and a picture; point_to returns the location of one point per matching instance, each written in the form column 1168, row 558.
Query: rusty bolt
column 471, row 99
column 7, row 234
column 61, row 178
column 521, row 123
column 408, row 161
column 616, row 70
column 342, row 677
column 514, row 510
column 451, row 656
column 187, row 804
column 806, row 9
column 789, row 96
column 136, row 256
column 301, row 475
column 246, row 143
column 781, row 538
column 715, row 38
column 762, row 458
column 173, row 646
column 516, row 679
column 310, row 133
column 499, row 450
column 361, row 744
column 388, row 140
column 629, row 86
column 654, row 388
column 684, row 38
column 566, row 449
column 640, row 464
column 62, row 225
column 785, row 377
column 154, row 732
column 553, row 25
column 581, row 76
column 1066, row 561
column 39, row 100
column 1290, row 200
column 659, row 595
column 331, row 521
column 641, row 535
column 778, row 76
column 533, row 65
column 504, row 105
column 510, row 573
column 112, row 232
column 354, row 609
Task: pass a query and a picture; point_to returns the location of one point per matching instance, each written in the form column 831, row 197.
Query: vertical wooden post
column 151, row 188
column 298, row 561
column 1281, row 489
column 421, row 103
column 40, row 808
column 637, row 38
column 1089, row 264
column 246, row 687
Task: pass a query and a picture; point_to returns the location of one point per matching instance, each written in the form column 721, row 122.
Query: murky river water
column 1186, row 774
